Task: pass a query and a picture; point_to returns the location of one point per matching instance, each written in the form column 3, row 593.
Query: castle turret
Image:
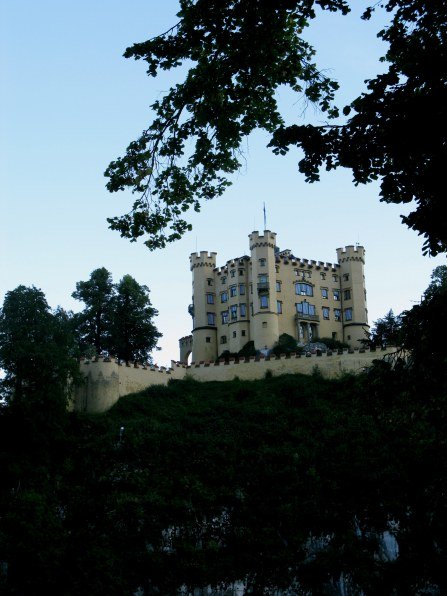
column 353, row 293
column 203, row 307
column 264, row 328
column 185, row 345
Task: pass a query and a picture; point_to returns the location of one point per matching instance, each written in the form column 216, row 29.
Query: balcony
column 191, row 310
column 263, row 287
column 306, row 317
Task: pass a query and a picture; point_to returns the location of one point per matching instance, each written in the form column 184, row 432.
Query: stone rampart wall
column 106, row 380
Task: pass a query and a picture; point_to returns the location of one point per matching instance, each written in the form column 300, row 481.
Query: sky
column 71, row 103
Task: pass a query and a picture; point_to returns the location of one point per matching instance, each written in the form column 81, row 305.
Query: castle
column 252, row 298
column 259, row 297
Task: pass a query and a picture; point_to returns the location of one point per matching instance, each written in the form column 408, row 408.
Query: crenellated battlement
column 107, row 379
column 351, row 253
column 268, row 238
column 185, row 341
column 316, row 355
column 306, row 263
column 202, row 259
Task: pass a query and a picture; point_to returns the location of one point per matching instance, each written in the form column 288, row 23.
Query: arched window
column 304, row 289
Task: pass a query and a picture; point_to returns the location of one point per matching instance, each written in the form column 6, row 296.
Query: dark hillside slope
column 269, row 482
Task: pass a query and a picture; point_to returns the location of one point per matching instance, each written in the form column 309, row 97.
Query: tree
column 396, row 133
column 286, row 345
column 92, row 322
column 424, row 328
column 386, row 330
column 37, row 348
column 241, row 53
column 132, row 333
column 438, row 284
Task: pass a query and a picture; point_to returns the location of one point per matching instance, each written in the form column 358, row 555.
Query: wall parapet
column 107, row 379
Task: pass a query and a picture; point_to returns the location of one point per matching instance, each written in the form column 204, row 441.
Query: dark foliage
column 286, row 481
column 94, row 321
column 132, row 333
column 117, row 318
column 386, row 331
column 274, row 482
column 286, row 345
column 396, row 130
column 37, row 348
column 241, row 52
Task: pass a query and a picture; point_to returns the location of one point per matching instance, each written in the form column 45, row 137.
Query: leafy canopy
column 132, row 332
column 116, row 318
column 92, row 322
column 238, row 53
column 37, row 347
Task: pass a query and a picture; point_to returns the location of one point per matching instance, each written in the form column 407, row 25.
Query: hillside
column 202, row 484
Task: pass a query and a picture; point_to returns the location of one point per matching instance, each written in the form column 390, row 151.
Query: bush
column 248, row 350
column 286, row 345
column 333, row 344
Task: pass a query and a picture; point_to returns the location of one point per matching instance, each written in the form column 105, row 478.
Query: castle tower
column 185, row 345
column 264, row 328
column 353, row 294
column 203, row 307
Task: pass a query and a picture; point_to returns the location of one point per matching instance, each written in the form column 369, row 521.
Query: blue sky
column 71, row 103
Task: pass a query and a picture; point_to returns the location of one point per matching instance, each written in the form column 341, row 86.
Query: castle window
column 232, row 272
column 234, row 333
column 348, row 314
column 264, row 324
column 324, row 293
column 242, row 310
column 224, row 297
column 223, row 279
column 322, row 275
column 210, row 298
column 277, row 268
column 241, row 272
column 251, row 288
column 345, row 276
column 349, row 337
column 233, row 311
column 347, row 294
column 325, row 313
column 243, row 332
column 263, row 279
column 208, row 340
column 224, row 315
column 337, row 314
column 336, row 295
column 264, row 301
column 334, row 277
column 211, row 318
column 241, row 289
column 304, row 289
column 223, row 339
column 304, row 308
column 278, row 286
column 209, row 281
column 262, row 262
column 233, row 291
column 251, row 308
column 279, row 307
